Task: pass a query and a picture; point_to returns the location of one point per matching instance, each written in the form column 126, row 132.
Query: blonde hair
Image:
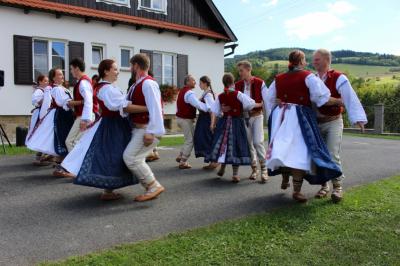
column 324, row 53
column 246, row 64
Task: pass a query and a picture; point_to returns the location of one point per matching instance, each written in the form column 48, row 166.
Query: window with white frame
column 116, row 2
column 126, row 54
column 163, row 68
column 97, row 54
column 158, row 6
column 48, row 54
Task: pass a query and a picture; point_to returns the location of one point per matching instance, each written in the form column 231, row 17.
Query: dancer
column 254, row 87
column 295, row 143
column 56, row 119
column 187, row 105
column 96, row 159
column 202, row 134
column 148, row 127
column 229, row 145
column 330, row 118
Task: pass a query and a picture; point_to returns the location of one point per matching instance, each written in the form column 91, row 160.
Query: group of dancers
column 114, row 134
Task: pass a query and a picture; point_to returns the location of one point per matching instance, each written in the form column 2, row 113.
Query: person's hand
column 83, row 125
column 212, row 128
column 69, row 104
column 278, row 101
column 339, row 102
column 361, row 126
column 225, row 108
column 148, row 139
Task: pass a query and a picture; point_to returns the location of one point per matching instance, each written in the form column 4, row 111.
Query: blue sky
column 361, row 25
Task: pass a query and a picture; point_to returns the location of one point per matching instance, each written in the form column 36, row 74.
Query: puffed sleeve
column 191, row 98
column 113, row 98
column 60, row 97
column 152, row 96
column 86, row 90
column 269, row 98
column 350, row 99
column 209, row 99
column 37, row 97
column 247, row 102
column 319, row 93
column 46, row 102
column 216, row 108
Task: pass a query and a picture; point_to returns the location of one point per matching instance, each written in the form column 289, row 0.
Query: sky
column 360, row 25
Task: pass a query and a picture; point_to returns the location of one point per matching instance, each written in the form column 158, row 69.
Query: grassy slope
column 363, row 230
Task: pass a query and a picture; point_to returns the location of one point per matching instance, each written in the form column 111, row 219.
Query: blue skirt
column 103, row 166
column 325, row 168
column 203, row 136
column 237, row 148
column 63, row 121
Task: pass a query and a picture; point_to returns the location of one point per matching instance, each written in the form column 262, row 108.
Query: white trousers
column 187, row 126
column 135, row 157
column 74, row 135
column 255, row 137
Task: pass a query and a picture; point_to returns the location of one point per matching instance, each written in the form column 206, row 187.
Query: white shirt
column 46, row 102
column 60, row 96
column 353, row 105
column 319, row 93
column 152, row 96
column 86, row 90
column 37, row 97
column 247, row 87
column 247, row 103
column 113, row 98
column 191, row 98
column 209, row 99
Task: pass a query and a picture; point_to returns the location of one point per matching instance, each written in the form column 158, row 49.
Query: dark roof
column 113, row 17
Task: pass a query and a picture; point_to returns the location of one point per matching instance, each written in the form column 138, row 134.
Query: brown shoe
column 322, row 193
column 185, row 165
column 63, row 174
column 178, row 159
column 211, row 166
column 109, row 196
column 152, row 158
column 41, row 163
column 264, row 176
column 235, row 179
column 150, row 194
column 299, row 197
column 221, row 170
column 337, row 194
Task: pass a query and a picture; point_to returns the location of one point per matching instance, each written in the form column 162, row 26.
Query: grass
column 14, row 150
column 365, row 70
column 363, row 230
column 391, row 137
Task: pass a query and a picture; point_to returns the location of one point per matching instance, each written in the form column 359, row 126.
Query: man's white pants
column 255, row 137
column 332, row 133
column 187, row 126
column 135, row 157
column 74, row 135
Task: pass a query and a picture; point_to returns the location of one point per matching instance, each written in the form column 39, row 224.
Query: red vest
column 255, row 90
column 184, row 110
column 137, row 98
column 331, row 79
column 291, row 87
column 230, row 99
column 104, row 111
column 78, row 97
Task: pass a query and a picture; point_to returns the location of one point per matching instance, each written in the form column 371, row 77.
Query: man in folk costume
column 148, row 127
column 85, row 102
column 295, row 143
column 254, row 87
column 330, row 118
column 187, row 105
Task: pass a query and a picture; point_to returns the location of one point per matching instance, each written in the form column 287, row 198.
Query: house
column 180, row 36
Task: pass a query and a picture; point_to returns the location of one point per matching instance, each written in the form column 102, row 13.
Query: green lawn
column 363, row 230
column 365, row 70
column 392, row 137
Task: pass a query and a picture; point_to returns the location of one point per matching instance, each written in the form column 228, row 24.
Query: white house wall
column 206, row 57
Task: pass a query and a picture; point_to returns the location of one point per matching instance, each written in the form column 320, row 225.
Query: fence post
column 379, row 121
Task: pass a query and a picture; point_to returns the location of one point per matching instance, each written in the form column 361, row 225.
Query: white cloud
column 319, row 23
column 341, row 7
column 268, row 3
column 244, row 1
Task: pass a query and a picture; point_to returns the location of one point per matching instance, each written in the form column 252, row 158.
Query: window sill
column 125, row 69
column 148, row 9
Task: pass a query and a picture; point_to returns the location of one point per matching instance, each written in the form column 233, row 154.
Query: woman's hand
column 148, row 139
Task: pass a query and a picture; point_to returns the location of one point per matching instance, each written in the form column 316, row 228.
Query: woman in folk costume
column 37, row 99
column 295, row 143
column 97, row 160
column 56, row 119
column 230, row 144
column 203, row 136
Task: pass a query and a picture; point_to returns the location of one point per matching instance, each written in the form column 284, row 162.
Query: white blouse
column 113, row 98
column 247, row 102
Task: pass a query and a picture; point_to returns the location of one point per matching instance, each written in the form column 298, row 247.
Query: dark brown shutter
column 182, row 69
column 150, row 55
column 75, row 50
column 23, row 66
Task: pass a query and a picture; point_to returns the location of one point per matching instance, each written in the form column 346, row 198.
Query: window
column 116, row 2
column 163, row 68
column 45, row 58
column 126, row 54
column 158, row 6
column 97, row 54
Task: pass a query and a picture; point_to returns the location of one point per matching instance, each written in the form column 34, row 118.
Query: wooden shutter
column 150, row 55
column 182, row 69
column 23, row 65
column 75, row 50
